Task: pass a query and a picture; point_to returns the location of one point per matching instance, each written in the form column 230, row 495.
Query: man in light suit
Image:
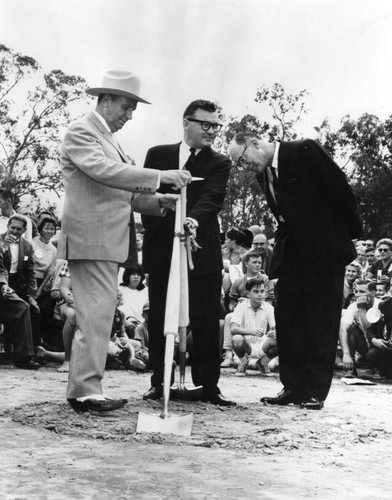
column 97, row 229
column 317, row 218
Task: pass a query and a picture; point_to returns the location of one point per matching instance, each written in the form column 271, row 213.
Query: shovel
column 181, row 392
column 166, row 423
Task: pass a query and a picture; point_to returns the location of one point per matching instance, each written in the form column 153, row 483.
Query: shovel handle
column 172, row 311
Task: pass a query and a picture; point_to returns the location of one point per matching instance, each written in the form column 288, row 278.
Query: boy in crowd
column 252, row 262
column 253, row 328
column 354, row 325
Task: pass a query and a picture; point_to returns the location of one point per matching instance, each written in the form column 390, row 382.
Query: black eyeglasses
column 383, row 249
column 216, row 127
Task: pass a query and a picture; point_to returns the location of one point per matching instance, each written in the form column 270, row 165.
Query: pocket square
column 291, row 181
column 26, row 257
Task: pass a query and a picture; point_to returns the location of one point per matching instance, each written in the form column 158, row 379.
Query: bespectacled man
column 305, row 189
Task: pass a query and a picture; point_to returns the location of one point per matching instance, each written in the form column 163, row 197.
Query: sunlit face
column 380, row 290
column 362, row 291
column 361, row 254
column 253, row 265
column 194, row 135
column 352, row 273
column 260, row 244
column 16, row 228
column 117, row 112
column 250, row 156
column 384, row 251
column 48, row 231
column 256, row 295
column 134, row 281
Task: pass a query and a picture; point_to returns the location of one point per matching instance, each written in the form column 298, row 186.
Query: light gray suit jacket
column 99, row 182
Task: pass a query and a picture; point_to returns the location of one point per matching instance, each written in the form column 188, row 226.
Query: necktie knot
column 192, row 151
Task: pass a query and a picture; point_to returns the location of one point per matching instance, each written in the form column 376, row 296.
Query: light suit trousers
column 94, row 286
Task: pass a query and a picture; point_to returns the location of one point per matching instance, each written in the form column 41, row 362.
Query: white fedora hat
column 123, row 83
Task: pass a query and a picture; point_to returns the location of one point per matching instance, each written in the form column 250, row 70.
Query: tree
column 245, row 203
column 34, row 110
column 364, row 147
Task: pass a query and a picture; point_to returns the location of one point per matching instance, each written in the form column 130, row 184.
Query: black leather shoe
column 97, row 405
column 219, row 400
column 312, row 404
column 27, row 364
column 154, row 392
column 283, row 398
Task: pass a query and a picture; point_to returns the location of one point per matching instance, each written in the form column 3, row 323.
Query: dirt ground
column 250, row 451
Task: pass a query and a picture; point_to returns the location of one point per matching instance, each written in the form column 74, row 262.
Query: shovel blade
column 172, row 424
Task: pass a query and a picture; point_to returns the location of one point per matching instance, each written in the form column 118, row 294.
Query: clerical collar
column 102, row 120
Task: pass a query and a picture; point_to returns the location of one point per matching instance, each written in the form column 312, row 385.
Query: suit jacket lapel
column 108, row 136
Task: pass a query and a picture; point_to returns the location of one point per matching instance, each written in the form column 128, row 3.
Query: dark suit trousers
column 14, row 313
column 204, row 303
column 307, row 312
column 35, row 315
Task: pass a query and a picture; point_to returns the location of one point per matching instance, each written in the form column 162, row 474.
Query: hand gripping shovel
column 181, row 392
column 165, row 423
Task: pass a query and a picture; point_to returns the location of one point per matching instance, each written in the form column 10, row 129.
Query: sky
column 220, row 50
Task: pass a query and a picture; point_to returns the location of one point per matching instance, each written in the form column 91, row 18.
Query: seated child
column 121, row 349
column 253, row 328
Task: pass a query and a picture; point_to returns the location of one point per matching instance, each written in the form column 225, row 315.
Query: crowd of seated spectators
column 37, row 310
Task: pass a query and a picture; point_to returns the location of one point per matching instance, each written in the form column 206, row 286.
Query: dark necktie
column 191, row 159
column 273, row 183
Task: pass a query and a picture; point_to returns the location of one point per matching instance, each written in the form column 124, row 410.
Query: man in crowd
column 317, row 218
column 19, row 263
column 14, row 314
column 98, row 230
column 379, row 354
column 7, row 210
column 204, row 201
column 381, row 269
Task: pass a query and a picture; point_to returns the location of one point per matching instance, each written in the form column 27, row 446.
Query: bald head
column 260, row 244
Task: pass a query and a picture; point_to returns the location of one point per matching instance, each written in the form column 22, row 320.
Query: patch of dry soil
column 250, row 451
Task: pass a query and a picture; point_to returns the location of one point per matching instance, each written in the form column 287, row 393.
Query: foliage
column 34, row 109
column 364, row 146
column 245, row 203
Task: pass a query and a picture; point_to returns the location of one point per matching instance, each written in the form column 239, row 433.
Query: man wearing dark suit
column 14, row 312
column 19, row 262
column 317, row 218
column 204, row 201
